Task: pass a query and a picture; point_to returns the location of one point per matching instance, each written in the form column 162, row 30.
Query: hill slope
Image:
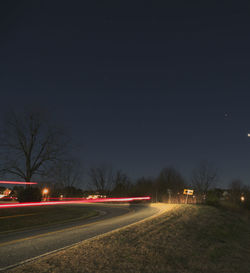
column 185, row 238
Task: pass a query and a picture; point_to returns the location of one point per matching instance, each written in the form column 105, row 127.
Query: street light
column 45, row 194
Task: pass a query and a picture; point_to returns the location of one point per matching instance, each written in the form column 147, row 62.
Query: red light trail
column 66, row 198
column 98, row 200
column 18, row 183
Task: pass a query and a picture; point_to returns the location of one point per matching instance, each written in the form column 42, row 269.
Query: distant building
column 7, row 192
column 4, row 192
column 96, row 196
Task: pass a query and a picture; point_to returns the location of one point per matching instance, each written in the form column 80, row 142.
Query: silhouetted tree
column 122, row 184
column 101, row 178
column 144, row 186
column 30, row 145
column 236, row 190
column 169, row 184
column 66, row 173
column 71, row 191
column 204, row 177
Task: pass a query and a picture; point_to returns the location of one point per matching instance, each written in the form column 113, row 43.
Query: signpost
column 169, row 196
column 188, row 192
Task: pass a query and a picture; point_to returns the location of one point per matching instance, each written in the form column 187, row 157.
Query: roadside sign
column 188, row 192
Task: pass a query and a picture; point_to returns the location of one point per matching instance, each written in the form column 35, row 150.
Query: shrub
column 213, row 199
column 29, row 195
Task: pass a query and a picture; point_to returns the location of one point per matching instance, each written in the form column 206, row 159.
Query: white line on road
column 162, row 210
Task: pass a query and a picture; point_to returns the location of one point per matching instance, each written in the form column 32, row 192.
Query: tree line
column 34, row 148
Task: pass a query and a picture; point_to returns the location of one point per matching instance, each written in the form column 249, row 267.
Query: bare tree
column 171, row 179
column 101, row 178
column 204, row 177
column 30, row 145
column 236, row 190
column 122, row 184
column 144, row 186
column 66, row 173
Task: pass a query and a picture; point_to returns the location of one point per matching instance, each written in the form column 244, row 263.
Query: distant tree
column 2, row 189
column 66, row 173
column 121, row 184
column 237, row 189
column 214, row 196
column 101, row 178
column 30, row 145
column 71, row 191
column 144, row 186
column 204, row 177
column 169, row 183
column 16, row 190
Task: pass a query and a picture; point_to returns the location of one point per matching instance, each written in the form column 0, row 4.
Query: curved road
column 23, row 246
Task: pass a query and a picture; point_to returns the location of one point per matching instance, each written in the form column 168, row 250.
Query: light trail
column 66, row 198
column 18, row 183
column 98, row 200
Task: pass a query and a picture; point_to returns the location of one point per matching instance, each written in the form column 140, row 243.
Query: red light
column 18, row 183
column 99, row 200
column 66, row 198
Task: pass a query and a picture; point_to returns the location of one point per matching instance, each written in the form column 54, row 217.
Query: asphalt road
column 23, row 246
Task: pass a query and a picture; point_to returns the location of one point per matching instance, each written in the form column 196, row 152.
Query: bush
column 213, row 199
column 246, row 203
column 29, row 195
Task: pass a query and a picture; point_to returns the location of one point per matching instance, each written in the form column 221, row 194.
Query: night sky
column 139, row 85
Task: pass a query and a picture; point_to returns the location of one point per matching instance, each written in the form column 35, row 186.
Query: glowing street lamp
column 45, row 194
column 242, row 198
column 45, row 191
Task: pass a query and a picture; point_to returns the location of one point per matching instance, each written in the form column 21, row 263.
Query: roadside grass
column 185, row 239
column 12, row 219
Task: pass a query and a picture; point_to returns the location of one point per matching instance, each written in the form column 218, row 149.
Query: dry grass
column 184, row 239
column 13, row 219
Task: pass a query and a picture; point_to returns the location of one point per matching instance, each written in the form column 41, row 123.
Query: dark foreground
column 21, row 246
column 184, row 239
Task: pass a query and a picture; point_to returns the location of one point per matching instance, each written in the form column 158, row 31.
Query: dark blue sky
column 139, row 85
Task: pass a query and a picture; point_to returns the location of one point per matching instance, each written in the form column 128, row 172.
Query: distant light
column 242, row 198
column 96, row 196
column 45, row 191
column 248, row 135
column 67, row 198
column 18, row 183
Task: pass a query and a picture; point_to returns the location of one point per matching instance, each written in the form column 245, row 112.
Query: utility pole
column 169, row 196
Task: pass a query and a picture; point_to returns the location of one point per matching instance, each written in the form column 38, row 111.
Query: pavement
column 20, row 247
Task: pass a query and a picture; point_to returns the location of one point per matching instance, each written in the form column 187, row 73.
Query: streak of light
column 18, row 183
column 67, row 198
column 99, row 200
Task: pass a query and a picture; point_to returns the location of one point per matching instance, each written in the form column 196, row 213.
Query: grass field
column 186, row 239
column 26, row 217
